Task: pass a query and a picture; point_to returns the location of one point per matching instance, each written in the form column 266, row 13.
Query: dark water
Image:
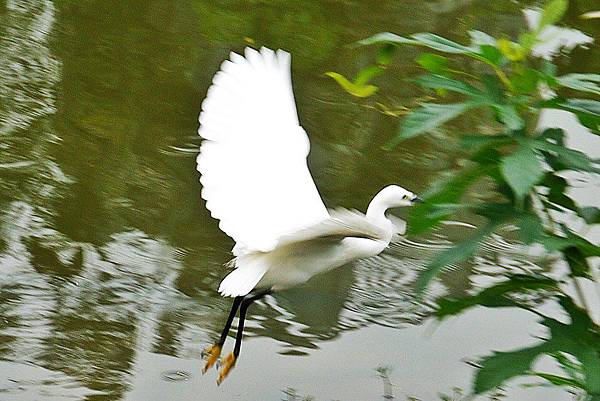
column 110, row 262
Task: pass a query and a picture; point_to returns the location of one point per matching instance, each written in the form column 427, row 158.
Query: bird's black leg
column 211, row 354
column 230, row 359
column 236, row 304
column 246, row 302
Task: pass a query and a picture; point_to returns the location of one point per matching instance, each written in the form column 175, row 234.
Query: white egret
column 256, row 181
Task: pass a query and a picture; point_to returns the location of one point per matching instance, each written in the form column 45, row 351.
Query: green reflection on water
column 107, row 250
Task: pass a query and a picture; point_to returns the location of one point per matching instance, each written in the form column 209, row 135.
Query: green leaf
column 486, row 48
column 428, row 117
column 385, row 54
column 475, row 141
column 491, row 54
column 444, row 209
column 509, row 116
column 352, row 88
column 494, row 88
column 522, row 170
column 511, row 50
column 495, row 296
column 590, row 214
column 555, row 243
column 423, row 216
column 548, row 73
column 577, row 262
column 554, row 182
column 498, row 212
column 548, row 68
column 587, row 248
column 567, row 364
column 559, row 380
column 530, row 228
column 527, row 40
column 501, row 366
column 488, row 156
column 554, row 135
column 457, row 254
column 552, row 13
column 577, row 160
column 580, row 338
column 581, row 82
column 440, row 44
column 587, row 106
column 433, row 63
column 479, row 38
column 569, row 158
column 561, row 200
column 386, row 37
column 556, row 194
column 366, row 74
column 441, row 82
column 580, row 321
column 526, row 82
column 586, row 110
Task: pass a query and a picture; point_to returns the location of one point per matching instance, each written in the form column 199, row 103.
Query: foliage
column 360, row 86
column 524, row 164
column 579, row 338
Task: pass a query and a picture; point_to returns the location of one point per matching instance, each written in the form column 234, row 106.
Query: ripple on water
column 175, row 375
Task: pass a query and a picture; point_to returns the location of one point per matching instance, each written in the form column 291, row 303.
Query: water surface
column 109, row 260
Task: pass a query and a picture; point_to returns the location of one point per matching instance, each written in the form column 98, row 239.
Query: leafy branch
column 524, row 165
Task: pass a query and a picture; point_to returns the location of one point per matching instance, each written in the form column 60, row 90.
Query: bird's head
column 396, row 196
column 390, row 197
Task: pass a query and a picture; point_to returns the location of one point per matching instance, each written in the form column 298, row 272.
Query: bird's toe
column 211, row 355
column 226, row 365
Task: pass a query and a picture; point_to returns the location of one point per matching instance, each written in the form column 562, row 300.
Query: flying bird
column 256, row 182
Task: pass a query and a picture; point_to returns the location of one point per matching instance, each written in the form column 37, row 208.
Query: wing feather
column 343, row 223
column 252, row 161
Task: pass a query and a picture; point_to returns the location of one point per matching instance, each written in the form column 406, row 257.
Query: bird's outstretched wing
column 253, row 158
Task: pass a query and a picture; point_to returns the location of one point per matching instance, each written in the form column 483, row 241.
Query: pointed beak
column 416, row 199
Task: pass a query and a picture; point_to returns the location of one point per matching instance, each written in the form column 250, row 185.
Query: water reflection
column 108, row 257
column 29, row 69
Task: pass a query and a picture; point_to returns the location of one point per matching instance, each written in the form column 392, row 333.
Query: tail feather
column 249, row 270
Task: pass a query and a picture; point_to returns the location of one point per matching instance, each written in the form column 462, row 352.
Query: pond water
column 110, row 262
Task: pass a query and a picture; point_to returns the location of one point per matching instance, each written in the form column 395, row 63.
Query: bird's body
column 256, row 181
column 295, row 264
column 345, row 236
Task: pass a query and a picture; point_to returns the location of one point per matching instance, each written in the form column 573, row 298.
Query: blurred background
column 109, row 261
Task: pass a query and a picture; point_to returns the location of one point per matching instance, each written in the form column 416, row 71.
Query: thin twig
column 553, row 228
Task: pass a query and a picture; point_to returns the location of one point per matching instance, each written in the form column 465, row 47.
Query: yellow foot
column 211, row 354
column 226, row 365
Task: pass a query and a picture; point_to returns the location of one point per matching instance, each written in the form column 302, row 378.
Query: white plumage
column 256, row 182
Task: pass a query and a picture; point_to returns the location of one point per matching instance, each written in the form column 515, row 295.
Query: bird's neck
column 376, row 213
